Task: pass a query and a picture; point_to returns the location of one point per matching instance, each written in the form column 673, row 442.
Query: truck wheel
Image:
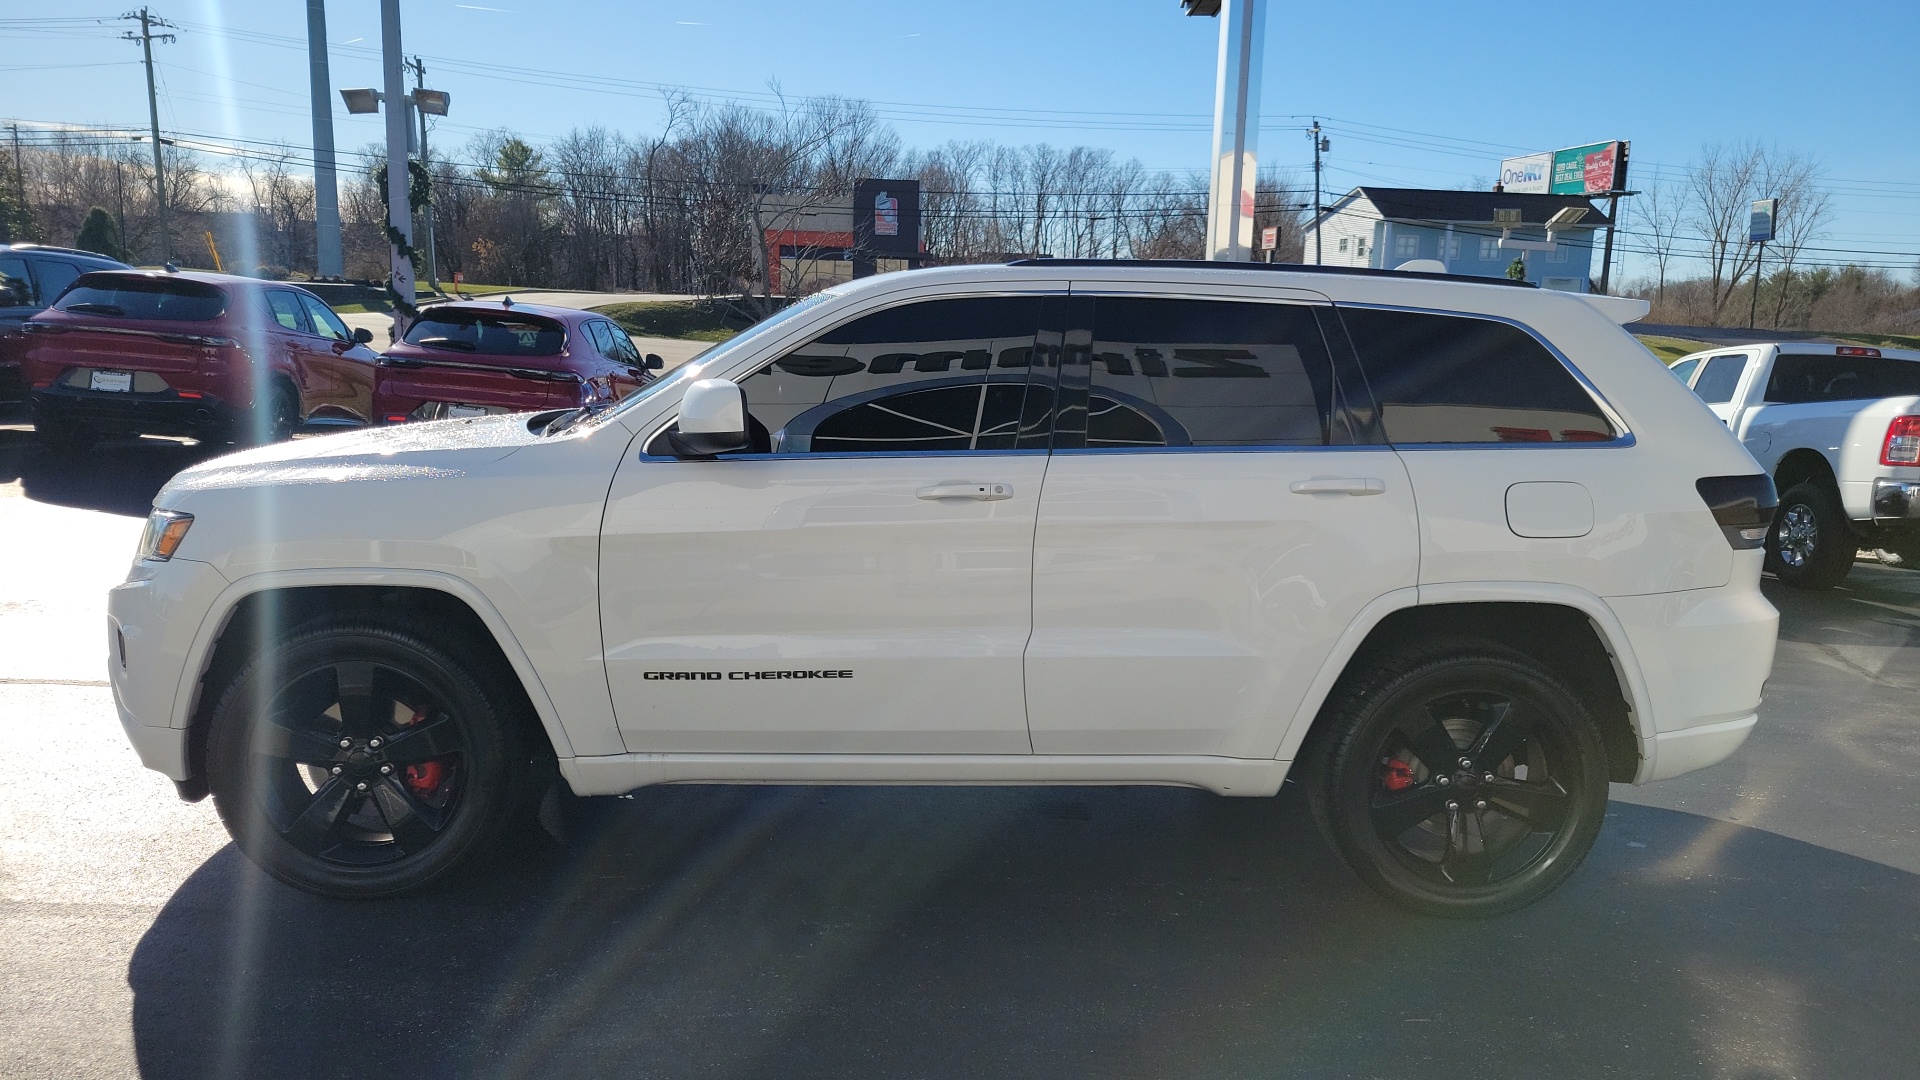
column 360, row 759
column 1811, row 545
column 1458, row 780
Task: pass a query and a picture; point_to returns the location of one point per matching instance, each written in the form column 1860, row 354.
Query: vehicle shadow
column 117, row 476
column 888, row 932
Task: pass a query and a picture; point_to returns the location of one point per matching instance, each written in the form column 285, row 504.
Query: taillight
column 1855, row 350
column 1743, row 507
column 1903, row 442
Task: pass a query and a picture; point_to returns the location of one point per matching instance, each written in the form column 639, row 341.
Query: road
column 1756, row 920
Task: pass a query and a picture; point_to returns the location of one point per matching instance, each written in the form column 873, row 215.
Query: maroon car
column 470, row 358
column 211, row 356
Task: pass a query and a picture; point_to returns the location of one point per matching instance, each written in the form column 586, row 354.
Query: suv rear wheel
column 358, row 759
column 1811, row 544
column 1458, row 780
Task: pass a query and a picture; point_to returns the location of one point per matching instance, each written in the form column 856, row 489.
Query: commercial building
column 1462, row 230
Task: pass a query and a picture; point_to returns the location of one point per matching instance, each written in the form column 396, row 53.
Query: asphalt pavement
column 1757, row 920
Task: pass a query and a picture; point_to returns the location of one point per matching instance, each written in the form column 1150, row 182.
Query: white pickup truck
column 1838, row 427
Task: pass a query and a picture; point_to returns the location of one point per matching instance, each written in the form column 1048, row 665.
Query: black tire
column 433, row 770
column 65, row 437
column 273, row 420
column 1811, row 544
column 1398, row 779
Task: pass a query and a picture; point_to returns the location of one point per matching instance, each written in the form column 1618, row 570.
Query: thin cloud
column 683, row 22
column 477, row 7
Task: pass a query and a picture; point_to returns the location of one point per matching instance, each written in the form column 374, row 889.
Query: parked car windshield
column 696, row 367
column 147, row 298
column 492, row 333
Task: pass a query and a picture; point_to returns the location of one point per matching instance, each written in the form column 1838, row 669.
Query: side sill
column 617, row 774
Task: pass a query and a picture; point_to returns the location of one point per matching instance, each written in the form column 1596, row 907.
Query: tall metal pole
column 1613, row 226
column 1753, row 305
column 426, row 168
column 1314, row 134
column 146, row 37
column 399, row 213
column 1236, row 126
column 328, row 262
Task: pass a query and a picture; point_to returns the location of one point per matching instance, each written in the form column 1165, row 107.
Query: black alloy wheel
column 1811, row 544
column 1461, row 782
column 360, row 760
column 273, row 419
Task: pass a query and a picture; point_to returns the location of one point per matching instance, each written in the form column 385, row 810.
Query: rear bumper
column 1704, row 656
column 164, row 413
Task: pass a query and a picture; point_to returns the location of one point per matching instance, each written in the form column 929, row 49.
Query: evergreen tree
column 1517, row 269
column 98, row 233
column 16, row 217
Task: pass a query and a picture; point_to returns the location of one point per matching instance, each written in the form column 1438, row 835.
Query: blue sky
column 1412, row 93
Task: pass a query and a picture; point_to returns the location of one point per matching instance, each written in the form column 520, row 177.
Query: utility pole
column 328, row 262
column 399, row 211
column 1753, row 305
column 146, row 37
column 1319, row 144
column 426, row 217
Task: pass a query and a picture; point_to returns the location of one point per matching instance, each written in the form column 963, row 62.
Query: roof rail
column 1292, row 268
column 30, row 246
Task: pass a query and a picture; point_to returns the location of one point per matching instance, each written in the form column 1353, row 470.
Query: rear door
column 1211, row 523
column 1718, row 383
column 862, row 582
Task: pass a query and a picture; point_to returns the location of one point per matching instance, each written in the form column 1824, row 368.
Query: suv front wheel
column 1461, row 780
column 357, row 758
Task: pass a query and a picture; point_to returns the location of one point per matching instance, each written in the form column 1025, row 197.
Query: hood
column 443, row 448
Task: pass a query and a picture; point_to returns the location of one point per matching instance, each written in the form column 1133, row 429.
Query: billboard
column 1760, row 220
column 1594, row 169
column 886, row 217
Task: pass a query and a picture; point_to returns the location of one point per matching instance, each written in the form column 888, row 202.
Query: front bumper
column 154, row 624
column 164, row 413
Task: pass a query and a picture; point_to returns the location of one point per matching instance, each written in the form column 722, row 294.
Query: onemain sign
column 1594, row 169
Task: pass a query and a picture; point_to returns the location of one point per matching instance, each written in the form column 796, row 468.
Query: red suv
column 470, row 358
column 211, row 356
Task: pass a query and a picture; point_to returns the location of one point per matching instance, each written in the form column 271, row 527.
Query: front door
column 860, row 581
column 1209, row 528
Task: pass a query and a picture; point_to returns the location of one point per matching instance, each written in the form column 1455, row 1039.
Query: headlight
column 165, row 530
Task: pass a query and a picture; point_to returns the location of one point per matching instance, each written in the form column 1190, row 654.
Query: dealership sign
column 1594, row 169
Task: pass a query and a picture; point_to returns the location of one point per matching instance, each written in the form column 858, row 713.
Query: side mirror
column 362, row 335
column 713, row 420
column 654, row 363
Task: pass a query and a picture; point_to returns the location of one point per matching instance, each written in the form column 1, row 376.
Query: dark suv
column 31, row 277
column 209, row 356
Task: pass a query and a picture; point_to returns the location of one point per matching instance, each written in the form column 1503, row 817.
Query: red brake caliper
column 1395, row 775
column 426, row 777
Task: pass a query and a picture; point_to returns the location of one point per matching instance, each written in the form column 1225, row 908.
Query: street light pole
column 419, row 67
column 399, row 210
column 328, row 262
column 1236, row 125
column 146, row 37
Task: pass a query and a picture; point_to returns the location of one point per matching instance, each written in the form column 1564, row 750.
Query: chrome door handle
column 1339, row 485
column 976, row 492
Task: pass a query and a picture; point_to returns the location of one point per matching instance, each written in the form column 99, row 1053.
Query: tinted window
column 155, row 298
column 54, row 276
column 285, row 308
column 325, row 322
column 1718, row 379
column 1203, row 373
column 1684, row 369
column 1803, row 377
column 1455, row 379
column 620, row 347
column 16, row 288
column 937, row 375
column 495, row 333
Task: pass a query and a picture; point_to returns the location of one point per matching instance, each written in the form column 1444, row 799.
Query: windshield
column 147, row 298
column 489, row 333
column 695, row 368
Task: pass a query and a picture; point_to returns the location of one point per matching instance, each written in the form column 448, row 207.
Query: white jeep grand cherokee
column 1450, row 554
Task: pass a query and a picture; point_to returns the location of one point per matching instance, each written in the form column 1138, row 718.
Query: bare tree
column 1664, row 213
column 1801, row 217
column 1719, row 189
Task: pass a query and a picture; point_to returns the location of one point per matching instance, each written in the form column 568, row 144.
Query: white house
column 1385, row 227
